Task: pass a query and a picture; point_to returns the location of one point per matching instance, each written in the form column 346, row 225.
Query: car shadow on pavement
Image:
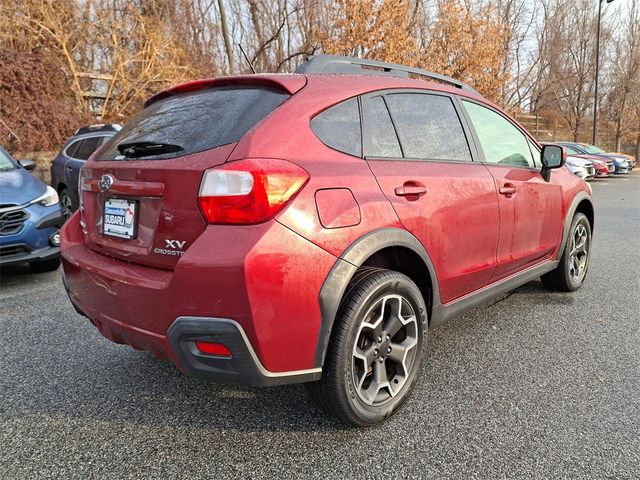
column 135, row 387
column 537, row 290
column 82, row 375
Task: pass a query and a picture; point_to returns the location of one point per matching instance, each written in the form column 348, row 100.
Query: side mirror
column 552, row 156
column 27, row 164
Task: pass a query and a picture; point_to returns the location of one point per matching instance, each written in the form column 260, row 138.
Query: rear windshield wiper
column 147, row 149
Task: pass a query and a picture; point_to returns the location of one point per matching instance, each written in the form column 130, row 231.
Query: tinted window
column 383, row 141
column 339, row 127
column 573, row 150
column 501, row 140
column 197, row 121
column 86, row 147
column 428, row 126
column 71, row 149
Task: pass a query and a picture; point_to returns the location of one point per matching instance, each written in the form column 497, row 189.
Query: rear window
column 196, row 121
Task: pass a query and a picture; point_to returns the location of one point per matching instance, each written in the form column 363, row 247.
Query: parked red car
column 604, row 168
column 273, row 229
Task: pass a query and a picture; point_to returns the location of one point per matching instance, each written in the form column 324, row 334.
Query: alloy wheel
column 384, row 352
column 579, row 252
column 65, row 203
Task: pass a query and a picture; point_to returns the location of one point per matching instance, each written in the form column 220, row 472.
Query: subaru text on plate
column 311, row 227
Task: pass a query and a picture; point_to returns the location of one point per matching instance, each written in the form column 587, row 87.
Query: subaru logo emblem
column 105, row 182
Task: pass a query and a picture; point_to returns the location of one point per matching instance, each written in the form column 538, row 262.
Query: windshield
column 593, row 149
column 5, row 162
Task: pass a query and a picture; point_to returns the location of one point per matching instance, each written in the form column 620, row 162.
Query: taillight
column 249, row 191
column 84, row 175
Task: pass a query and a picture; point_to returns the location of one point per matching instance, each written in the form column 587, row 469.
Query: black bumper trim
column 55, row 219
column 242, row 368
column 47, row 253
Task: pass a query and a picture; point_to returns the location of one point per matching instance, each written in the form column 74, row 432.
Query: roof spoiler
column 327, row 64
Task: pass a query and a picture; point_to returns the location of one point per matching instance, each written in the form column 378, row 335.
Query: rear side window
column 197, row 121
column 71, row 149
column 428, row 127
column 85, row 148
column 383, row 141
column 339, row 127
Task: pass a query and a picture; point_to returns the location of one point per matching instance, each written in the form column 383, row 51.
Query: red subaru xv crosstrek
column 311, row 227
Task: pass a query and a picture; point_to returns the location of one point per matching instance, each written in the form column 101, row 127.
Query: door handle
column 508, row 190
column 411, row 190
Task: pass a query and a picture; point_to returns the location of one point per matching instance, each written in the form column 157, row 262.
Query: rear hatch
column 140, row 190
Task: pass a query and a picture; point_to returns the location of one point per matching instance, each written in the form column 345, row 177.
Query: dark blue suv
column 65, row 168
column 30, row 217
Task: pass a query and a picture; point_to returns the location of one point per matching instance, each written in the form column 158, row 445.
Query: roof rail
column 323, row 64
column 99, row 127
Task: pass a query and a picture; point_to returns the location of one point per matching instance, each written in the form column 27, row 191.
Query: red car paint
column 267, row 276
column 604, row 168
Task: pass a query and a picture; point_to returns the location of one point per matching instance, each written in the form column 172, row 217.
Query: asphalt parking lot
column 536, row 385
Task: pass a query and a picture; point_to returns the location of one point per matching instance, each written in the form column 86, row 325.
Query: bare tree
column 624, row 75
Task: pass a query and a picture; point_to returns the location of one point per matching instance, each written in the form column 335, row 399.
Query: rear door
column 416, row 147
column 140, row 193
column 530, row 207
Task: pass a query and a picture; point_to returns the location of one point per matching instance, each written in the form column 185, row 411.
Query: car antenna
column 247, row 58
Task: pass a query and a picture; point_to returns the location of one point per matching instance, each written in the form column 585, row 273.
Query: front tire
column 570, row 273
column 376, row 349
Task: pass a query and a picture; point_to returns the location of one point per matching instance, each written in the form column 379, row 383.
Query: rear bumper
column 268, row 283
column 243, row 367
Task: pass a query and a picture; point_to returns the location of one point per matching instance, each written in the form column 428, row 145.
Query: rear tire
column 376, row 349
column 570, row 273
column 45, row 265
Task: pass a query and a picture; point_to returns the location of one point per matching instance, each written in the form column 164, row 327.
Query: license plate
column 120, row 218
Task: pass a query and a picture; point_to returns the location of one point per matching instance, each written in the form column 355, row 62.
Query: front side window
column 428, row 127
column 501, row 141
column 535, row 152
column 339, row 127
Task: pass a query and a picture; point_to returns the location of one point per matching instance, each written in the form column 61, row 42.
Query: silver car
column 581, row 167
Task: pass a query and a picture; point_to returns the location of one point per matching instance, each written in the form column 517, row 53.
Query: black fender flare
column 577, row 200
column 346, row 266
